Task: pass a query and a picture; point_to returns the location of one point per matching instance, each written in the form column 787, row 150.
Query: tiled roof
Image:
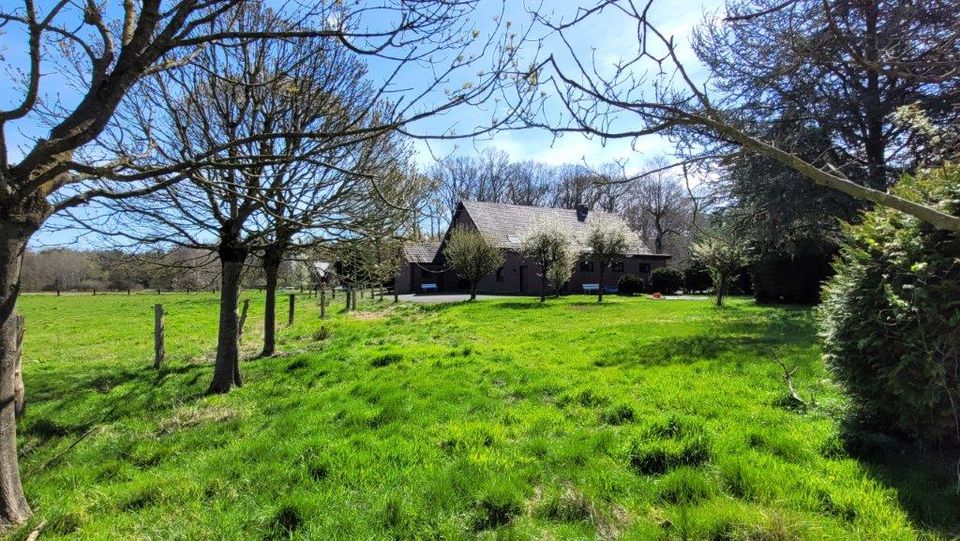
column 506, row 225
column 423, row 252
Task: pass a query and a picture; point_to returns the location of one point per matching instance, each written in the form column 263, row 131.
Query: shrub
column 888, row 322
column 666, row 280
column 630, row 284
column 696, row 278
column 792, row 277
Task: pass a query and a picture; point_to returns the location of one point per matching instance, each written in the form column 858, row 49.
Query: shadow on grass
column 745, row 338
column 926, row 482
column 107, row 398
column 529, row 305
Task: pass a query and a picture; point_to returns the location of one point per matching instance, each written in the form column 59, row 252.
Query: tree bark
column 14, row 508
column 600, row 288
column 721, row 290
column 473, row 291
column 226, row 370
column 543, row 284
column 271, row 267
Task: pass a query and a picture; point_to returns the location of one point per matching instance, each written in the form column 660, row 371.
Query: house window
column 586, row 266
column 644, row 267
column 617, row 266
column 500, row 274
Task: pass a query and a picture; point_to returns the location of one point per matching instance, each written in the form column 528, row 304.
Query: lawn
column 634, row 419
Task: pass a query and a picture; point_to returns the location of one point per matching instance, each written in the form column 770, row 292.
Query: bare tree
column 650, row 91
column 105, row 49
column 658, row 206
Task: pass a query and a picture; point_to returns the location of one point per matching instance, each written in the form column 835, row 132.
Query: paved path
column 451, row 297
column 442, row 298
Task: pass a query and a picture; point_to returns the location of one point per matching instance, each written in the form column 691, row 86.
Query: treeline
column 178, row 269
column 657, row 205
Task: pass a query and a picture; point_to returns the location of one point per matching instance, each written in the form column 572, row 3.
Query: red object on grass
column 656, row 295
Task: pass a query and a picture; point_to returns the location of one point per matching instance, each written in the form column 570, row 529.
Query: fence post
column 323, row 304
column 158, row 350
column 293, row 304
column 243, row 318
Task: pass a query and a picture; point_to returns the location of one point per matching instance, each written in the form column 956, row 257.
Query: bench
column 611, row 289
column 591, row 288
column 432, row 288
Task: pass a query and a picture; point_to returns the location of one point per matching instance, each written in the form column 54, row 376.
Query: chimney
column 582, row 211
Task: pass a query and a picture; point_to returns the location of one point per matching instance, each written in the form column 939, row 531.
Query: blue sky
column 606, row 38
column 609, row 37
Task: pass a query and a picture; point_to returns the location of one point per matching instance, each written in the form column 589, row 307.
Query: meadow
column 500, row 419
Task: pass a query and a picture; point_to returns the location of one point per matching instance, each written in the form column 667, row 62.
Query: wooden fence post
column 158, row 349
column 19, row 396
column 243, row 318
column 293, row 304
column 323, row 304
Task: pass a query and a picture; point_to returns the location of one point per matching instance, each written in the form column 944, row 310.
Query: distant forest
column 180, row 269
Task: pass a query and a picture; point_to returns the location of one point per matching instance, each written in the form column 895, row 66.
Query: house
column 506, row 225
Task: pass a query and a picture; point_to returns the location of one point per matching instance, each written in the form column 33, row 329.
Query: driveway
column 441, row 298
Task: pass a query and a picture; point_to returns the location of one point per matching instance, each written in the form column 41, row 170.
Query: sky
column 605, row 38
column 608, row 38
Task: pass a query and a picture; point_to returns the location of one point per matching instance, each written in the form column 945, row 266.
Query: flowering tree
column 550, row 247
column 608, row 241
column 472, row 256
column 723, row 256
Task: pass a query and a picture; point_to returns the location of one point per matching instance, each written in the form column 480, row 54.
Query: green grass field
column 504, row 419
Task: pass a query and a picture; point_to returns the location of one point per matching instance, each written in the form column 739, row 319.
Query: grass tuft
column 685, row 486
column 386, row 359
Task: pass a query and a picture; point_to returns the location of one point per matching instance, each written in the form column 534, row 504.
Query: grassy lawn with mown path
column 500, row 419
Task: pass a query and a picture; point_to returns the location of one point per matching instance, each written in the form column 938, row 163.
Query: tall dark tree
column 649, row 90
column 796, row 67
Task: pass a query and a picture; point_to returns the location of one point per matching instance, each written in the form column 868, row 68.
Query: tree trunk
column 226, row 370
column 270, row 271
column 473, row 291
column 600, row 288
column 543, row 285
column 13, row 241
column 721, row 290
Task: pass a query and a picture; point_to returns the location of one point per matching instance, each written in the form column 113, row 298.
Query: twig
column 35, row 534
column 788, row 375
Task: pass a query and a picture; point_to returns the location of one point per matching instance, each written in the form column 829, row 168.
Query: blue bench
column 591, row 288
column 431, row 288
column 611, row 289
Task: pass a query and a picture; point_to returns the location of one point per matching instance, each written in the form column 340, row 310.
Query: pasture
column 500, row 419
